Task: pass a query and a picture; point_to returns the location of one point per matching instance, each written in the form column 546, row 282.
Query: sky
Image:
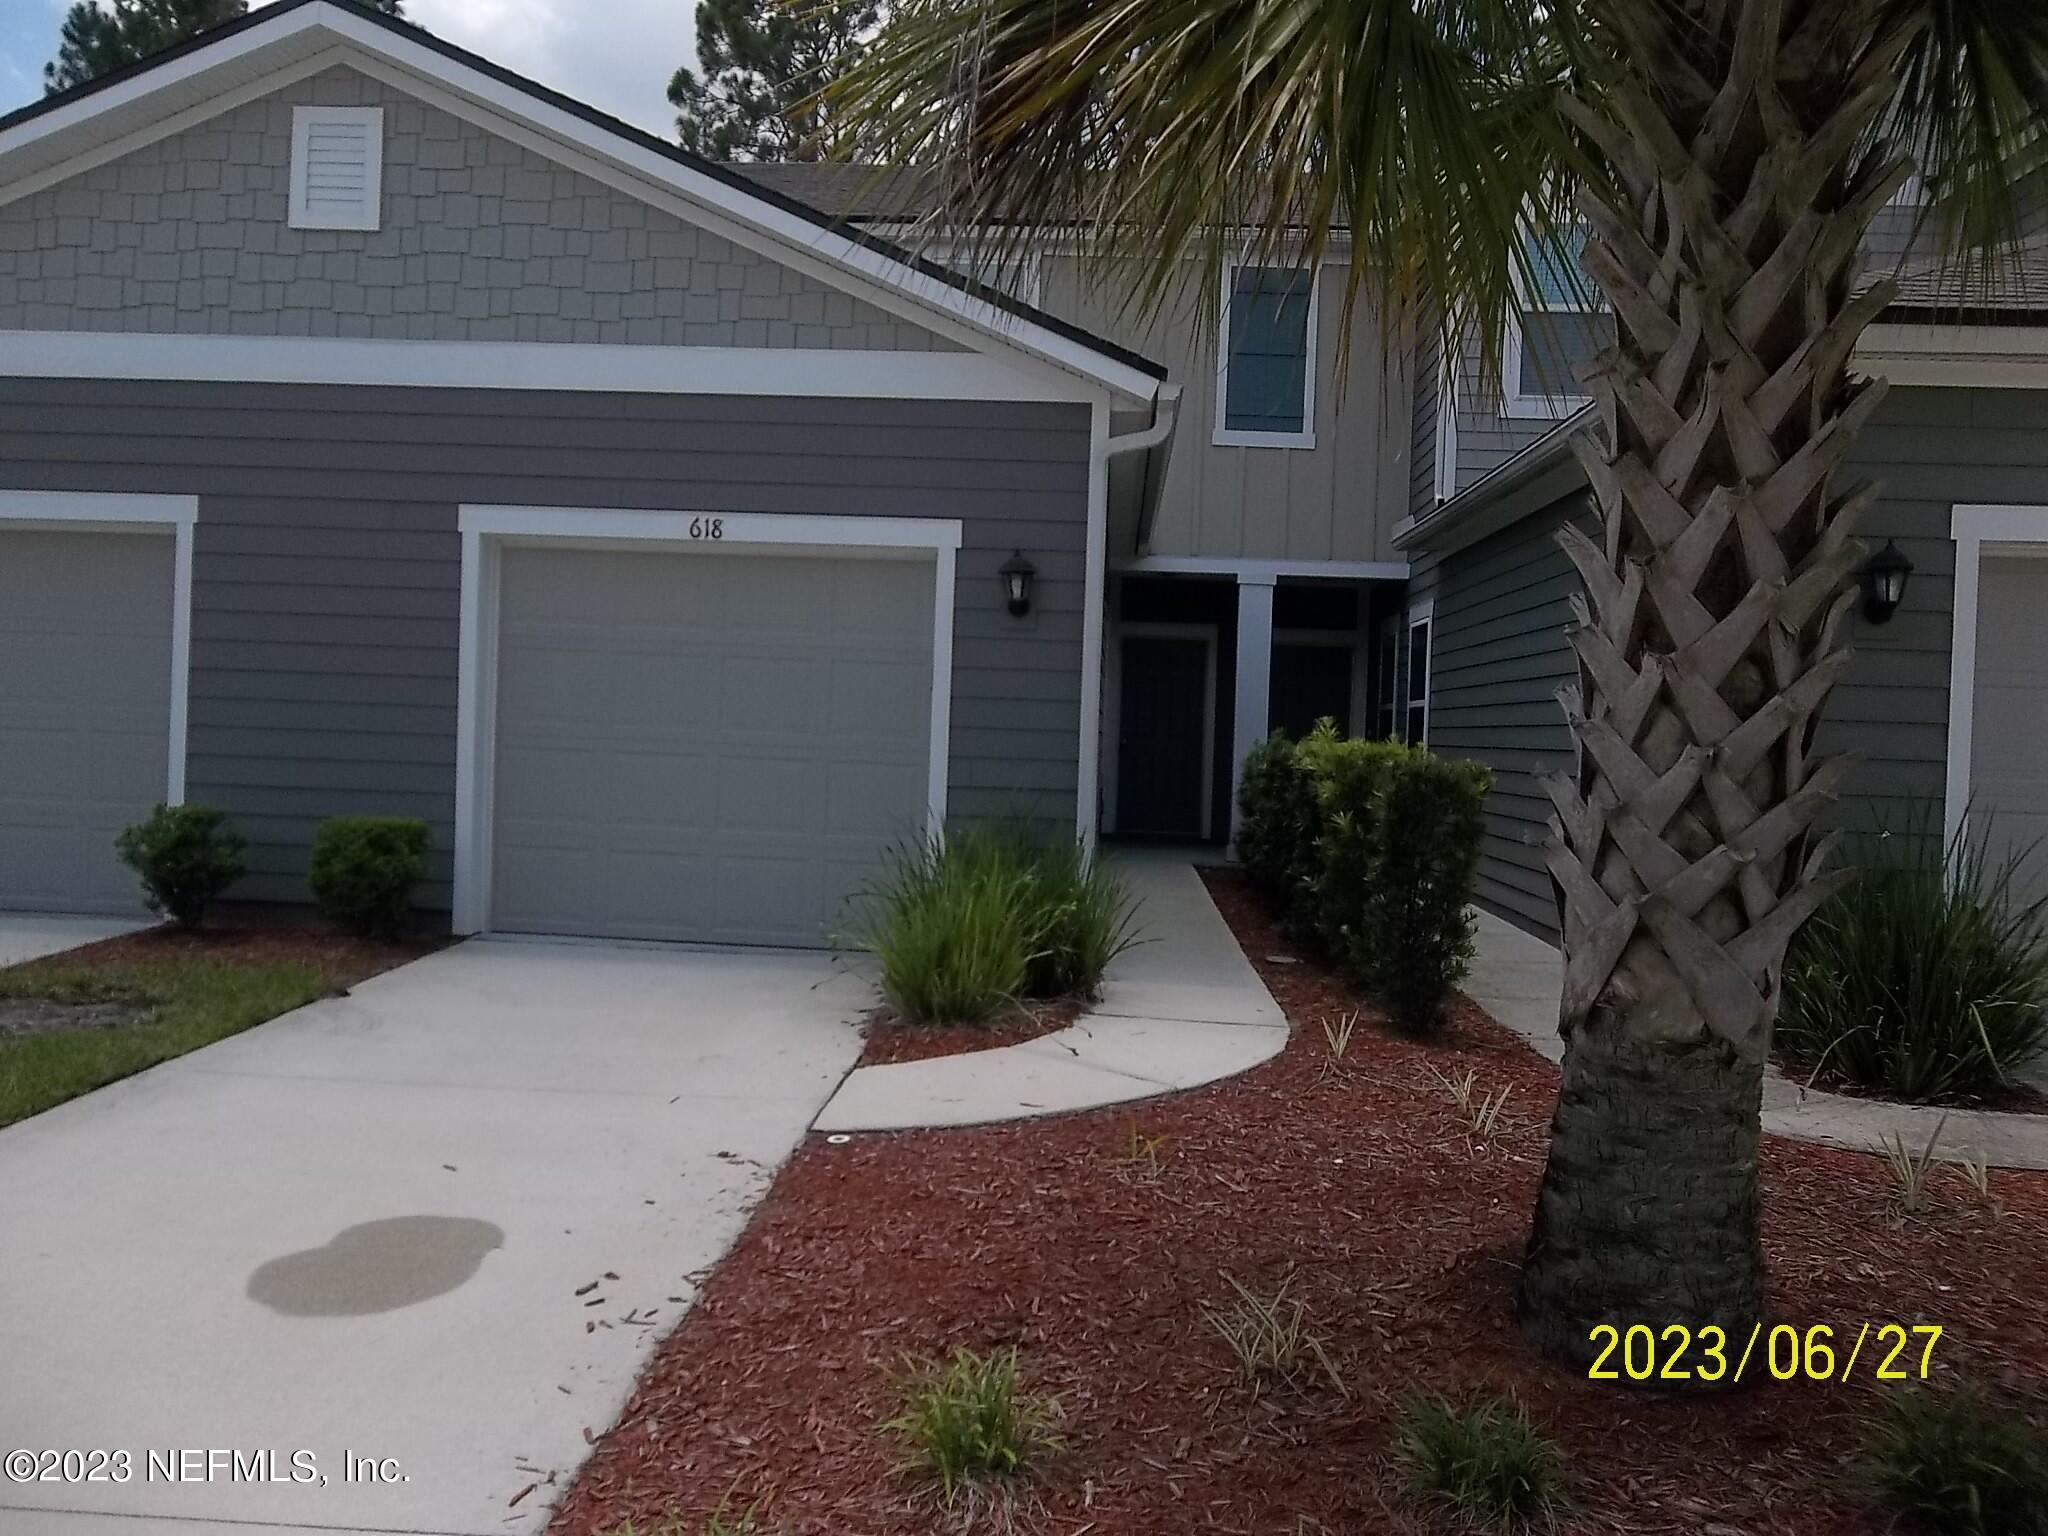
column 620, row 65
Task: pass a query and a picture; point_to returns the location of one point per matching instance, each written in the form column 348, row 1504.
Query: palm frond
column 1173, row 135
column 1971, row 108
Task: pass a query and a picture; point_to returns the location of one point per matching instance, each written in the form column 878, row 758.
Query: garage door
column 704, row 746
column 2009, row 715
column 85, row 709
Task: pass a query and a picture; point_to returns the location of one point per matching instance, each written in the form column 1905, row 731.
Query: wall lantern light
column 1018, row 575
column 1884, row 582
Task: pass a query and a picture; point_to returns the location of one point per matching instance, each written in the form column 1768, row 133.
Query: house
column 1261, row 588
column 383, row 433
column 1946, row 699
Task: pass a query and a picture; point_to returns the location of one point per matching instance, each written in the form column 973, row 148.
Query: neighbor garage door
column 2009, row 715
column 85, row 709
column 705, row 746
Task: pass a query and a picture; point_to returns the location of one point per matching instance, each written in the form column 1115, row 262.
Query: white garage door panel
column 2009, row 714
column 706, row 746
column 85, row 707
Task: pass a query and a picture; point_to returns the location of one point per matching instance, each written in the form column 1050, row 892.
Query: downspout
column 1165, row 411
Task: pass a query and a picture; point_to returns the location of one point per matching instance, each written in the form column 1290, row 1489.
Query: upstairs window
column 1564, row 323
column 337, row 167
column 1265, row 388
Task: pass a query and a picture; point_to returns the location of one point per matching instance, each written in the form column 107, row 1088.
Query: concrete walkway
column 1518, row 979
column 28, row 936
column 1181, row 1009
column 442, row 1220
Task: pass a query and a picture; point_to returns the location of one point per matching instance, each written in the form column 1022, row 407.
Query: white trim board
column 1237, row 437
column 528, row 365
column 625, row 162
column 2002, row 529
column 1956, row 356
column 117, row 512
column 1265, row 570
column 1094, row 602
column 488, row 528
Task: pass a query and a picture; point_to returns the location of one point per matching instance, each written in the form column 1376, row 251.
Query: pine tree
column 97, row 39
column 764, row 61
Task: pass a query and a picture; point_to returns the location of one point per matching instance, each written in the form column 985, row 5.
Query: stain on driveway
column 368, row 1230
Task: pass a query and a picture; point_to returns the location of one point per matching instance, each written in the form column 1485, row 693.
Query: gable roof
column 40, row 140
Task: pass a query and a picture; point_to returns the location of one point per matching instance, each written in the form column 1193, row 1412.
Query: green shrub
column 1081, row 916
column 186, row 856
column 1926, row 978
column 1349, row 776
column 1954, row 1463
column 364, row 869
column 968, row 1419
column 1416, row 930
column 1486, row 1463
column 946, row 922
column 1276, row 839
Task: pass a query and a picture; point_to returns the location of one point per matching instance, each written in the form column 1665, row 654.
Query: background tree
column 766, row 63
column 1729, row 157
column 98, row 38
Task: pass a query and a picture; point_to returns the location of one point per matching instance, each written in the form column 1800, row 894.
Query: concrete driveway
column 370, row 1229
column 30, row 936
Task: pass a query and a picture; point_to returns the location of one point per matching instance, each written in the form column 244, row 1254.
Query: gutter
column 1158, row 436
column 1545, row 453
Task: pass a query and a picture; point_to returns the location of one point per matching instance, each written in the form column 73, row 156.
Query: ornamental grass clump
column 974, row 921
column 1957, row 1464
column 945, row 921
column 1926, row 979
column 1484, row 1462
column 968, row 1420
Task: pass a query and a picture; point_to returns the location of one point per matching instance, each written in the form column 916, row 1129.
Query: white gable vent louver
column 337, row 167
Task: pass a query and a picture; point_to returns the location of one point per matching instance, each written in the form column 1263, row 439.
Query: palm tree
column 1728, row 157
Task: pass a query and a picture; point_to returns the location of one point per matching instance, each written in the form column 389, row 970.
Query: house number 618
column 707, row 527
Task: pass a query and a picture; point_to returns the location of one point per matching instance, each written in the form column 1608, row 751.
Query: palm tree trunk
column 1683, row 847
column 1648, row 1211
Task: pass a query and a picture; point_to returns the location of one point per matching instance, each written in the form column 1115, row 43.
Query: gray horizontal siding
column 1422, row 425
column 327, row 561
column 1500, row 653
column 1497, row 660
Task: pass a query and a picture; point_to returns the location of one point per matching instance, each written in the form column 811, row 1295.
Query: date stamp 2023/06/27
column 1820, row 1352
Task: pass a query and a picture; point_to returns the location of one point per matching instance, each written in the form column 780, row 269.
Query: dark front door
column 1310, row 682
column 1162, row 745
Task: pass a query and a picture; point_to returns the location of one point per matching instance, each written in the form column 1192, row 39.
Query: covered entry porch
column 1205, row 659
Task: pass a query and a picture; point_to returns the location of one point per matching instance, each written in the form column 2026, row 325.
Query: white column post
column 1251, row 720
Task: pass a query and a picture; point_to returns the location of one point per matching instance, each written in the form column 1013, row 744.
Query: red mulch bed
column 1401, row 1233
column 887, row 1038
column 254, row 939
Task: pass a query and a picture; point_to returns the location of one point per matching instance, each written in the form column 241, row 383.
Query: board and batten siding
column 1501, row 654
column 479, row 239
column 327, row 561
column 1339, row 500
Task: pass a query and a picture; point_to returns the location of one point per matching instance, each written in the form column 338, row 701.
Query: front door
column 1163, row 742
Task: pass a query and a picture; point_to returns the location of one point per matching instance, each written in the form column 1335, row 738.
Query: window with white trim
column 1447, row 422
column 1416, row 723
column 1564, row 322
column 1265, row 377
column 337, row 167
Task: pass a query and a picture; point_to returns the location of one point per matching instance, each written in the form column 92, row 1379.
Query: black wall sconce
column 1884, row 582
column 1018, row 574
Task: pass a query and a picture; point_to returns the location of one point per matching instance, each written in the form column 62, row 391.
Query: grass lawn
column 167, row 993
